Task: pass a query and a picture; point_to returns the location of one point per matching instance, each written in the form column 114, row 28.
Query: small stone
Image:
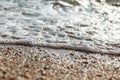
column 71, row 54
column 74, row 3
column 7, row 8
column 46, row 67
column 61, row 35
column 99, row 75
column 43, row 73
column 70, row 67
column 69, row 26
column 85, row 62
column 4, row 35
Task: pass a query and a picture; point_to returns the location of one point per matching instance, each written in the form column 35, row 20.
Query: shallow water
column 77, row 22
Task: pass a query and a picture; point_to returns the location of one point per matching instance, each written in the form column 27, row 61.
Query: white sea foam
column 61, row 21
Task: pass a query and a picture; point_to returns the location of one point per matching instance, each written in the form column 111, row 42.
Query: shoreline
column 36, row 63
column 80, row 48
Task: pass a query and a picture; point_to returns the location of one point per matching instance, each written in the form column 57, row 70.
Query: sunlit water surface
column 73, row 22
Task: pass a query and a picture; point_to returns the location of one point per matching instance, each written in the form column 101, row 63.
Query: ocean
column 86, row 23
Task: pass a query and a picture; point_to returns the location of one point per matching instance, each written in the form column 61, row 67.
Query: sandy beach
column 39, row 63
column 73, row 22
column 59, row 39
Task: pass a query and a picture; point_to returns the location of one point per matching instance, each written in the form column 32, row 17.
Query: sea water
column 73, row 22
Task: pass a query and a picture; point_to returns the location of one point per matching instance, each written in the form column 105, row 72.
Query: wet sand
column 38, row 63
column 59, row 40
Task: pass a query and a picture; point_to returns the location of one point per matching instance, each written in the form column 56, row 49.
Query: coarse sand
column 39, row 63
